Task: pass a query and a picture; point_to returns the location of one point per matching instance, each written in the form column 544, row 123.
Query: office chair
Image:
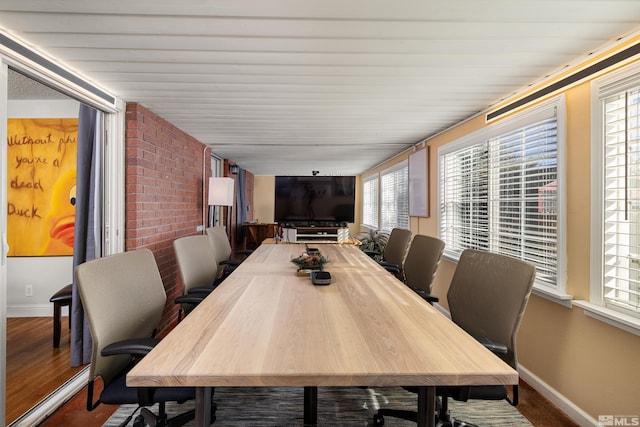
column 222, row 247
column 487, row 298
column 394, row 251
column 421, row 263
column 198, row 266
column 123, row 299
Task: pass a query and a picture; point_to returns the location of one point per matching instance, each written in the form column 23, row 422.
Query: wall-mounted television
column 315, row 200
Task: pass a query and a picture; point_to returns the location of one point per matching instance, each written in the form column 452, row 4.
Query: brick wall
column 164, row 179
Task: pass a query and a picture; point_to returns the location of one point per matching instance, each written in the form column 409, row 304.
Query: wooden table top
column 267, row 326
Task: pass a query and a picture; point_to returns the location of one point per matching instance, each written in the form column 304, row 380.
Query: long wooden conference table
column 267, row 326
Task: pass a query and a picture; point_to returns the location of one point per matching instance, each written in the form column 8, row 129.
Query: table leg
column 426, row 406
column 203, row 406
column 310, row 406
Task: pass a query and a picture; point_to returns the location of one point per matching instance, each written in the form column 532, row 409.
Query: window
column 370, row 201
column 385, row 198
column 394, row 197
column 616, row 171
column 500, row 191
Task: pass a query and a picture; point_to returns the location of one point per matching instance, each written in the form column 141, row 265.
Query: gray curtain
column 87, row 235
column 241, row 206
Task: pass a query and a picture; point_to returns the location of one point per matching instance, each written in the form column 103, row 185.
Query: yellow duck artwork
column 61, row 216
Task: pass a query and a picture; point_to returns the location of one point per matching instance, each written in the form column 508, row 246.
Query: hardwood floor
column 35, row 369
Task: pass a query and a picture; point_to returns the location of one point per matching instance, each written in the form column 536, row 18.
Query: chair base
column 148, row 418
column 443, row 416
column 441, row 420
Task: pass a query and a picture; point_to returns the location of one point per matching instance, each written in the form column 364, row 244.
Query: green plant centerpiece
column 310, row 261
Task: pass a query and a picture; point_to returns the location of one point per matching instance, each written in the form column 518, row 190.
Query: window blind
column 394, row 197
column 501, row 194
column 523, row 196
column 464, row 217
column 621, row 216
column 370, row 202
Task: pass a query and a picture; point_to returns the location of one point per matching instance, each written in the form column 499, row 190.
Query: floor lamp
column 221, row 194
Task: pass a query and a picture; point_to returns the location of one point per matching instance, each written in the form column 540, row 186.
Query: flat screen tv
column 315, row 200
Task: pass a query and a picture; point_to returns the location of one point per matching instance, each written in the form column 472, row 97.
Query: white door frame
column 113, row 215
column 3, row 242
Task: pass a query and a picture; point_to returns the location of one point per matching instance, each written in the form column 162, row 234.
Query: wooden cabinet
column 256, row 233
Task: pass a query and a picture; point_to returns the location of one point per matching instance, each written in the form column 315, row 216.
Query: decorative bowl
column 314, row 261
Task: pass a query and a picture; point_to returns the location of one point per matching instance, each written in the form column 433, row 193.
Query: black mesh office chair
column 487, row 298
column 123, row 299
column 421, row 263
column 395, row 250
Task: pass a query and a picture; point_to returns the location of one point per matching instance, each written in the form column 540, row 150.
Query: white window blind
column 370, row 202
column 523, row 196
column 394, row 197
column 499, row 193
column 621, row 204
column 464, row 217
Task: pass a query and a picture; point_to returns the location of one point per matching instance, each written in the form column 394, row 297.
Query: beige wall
column 590, row 364
column 264, row 188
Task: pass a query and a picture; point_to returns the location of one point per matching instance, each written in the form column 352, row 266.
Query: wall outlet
column 200, row 228
column 28, row 290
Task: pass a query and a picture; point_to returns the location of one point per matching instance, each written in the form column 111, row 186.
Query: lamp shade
column 221, row 191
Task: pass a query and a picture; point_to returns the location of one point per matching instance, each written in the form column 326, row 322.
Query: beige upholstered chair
column 198, row 266
column 123, row 299
column 487, row 298
column 222, row 248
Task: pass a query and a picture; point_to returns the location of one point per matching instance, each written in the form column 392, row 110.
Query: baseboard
column 36, row 310
column 565, row 405
column 55, row 400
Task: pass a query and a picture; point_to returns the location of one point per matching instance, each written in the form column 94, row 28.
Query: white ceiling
column 284, row 87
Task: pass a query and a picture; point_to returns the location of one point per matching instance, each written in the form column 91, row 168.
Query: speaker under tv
column 314, row 201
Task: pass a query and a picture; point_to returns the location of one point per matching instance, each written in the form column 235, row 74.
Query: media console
column 315, row 234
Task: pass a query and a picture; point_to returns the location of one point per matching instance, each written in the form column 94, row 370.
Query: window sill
column 563, row 299
column 619, row 320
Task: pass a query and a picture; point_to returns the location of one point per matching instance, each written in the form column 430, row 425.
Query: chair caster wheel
column 378, row 420
column 139, row 421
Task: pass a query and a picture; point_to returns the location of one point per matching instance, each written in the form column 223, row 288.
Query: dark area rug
column 337, row 406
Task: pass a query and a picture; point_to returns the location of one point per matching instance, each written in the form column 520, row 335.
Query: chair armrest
column 245, row 252
column 135, row 347
column 231, row 262
column 193, row 299
column 426, row 296
column 201, row 291
column 495, row 346
column 371, row 253
column 390, row 267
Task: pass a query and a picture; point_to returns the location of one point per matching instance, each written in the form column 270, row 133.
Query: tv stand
column 316, row 234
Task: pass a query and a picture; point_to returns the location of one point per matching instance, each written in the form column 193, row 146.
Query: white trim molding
column 33, row 310
column 569, row 408
column 553, row 295
column 614, row 318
